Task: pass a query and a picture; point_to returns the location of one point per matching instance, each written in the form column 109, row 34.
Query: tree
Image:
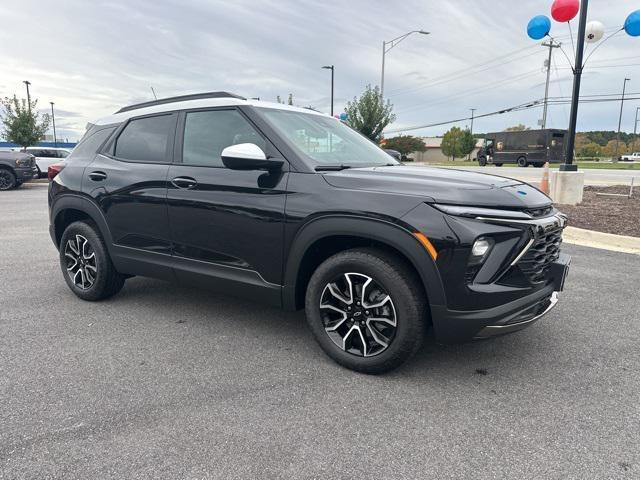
column 405, row 144
column 369, row 114
column 467, row 142
column 517, row 128
column 452, row 143
column 22, row 123
column 591, row 149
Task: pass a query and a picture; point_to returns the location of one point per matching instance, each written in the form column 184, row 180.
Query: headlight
column 23, row 162
column 474, row 212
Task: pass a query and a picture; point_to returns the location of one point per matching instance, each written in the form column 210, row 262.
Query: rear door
column 128, row 179
column 225, row 224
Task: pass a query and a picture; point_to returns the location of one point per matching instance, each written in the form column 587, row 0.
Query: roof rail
column 181, row 98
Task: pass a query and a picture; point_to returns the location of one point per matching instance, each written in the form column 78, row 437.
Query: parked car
column 524, row 148
column 47, row 156
column 394, row 153
column 15, row 169
column 633, row 157
column 291, row 207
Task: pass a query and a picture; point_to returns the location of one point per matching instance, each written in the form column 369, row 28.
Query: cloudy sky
column 92, row 57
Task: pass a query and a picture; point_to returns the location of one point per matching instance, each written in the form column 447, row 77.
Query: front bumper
column 453, row 326
column 24, row 174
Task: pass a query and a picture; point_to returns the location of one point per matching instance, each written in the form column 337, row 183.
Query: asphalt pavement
column 164, row 381
column 596, row 177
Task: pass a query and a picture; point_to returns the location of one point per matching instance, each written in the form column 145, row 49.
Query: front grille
column 544, row 251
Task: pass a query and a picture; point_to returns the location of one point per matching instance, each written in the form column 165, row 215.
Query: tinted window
column 145, row 139
column 62, row 153
column 207, row 133
column 90, row 143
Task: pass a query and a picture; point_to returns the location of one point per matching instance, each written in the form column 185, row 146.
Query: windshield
column 325, row 140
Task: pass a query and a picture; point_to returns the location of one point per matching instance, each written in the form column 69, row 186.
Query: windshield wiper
column 329, row 168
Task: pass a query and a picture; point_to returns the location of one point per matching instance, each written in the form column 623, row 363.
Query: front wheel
column 86, row 265
column 498, row 164
column 482, row 161
column 7, row 179
column 366, row 309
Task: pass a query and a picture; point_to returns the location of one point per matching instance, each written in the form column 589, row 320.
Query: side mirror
column 248, row 156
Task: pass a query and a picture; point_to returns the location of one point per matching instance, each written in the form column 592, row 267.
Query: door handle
column 184, row 182
column 97, row 176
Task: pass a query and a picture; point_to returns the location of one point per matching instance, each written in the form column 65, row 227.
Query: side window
column 145, row 139
column 62, row 153
column 207, row 133
column 49, row 154
column 89, row 144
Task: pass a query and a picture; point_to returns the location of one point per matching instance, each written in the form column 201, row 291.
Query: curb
column 604, row 241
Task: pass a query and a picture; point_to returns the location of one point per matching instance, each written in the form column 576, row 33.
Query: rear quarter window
column 90, row 143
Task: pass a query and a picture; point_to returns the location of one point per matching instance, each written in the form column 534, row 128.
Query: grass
column 581, row 165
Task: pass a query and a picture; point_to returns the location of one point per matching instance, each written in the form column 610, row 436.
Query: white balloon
column 594, row 31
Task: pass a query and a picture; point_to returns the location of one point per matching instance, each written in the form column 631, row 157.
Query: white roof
column 198, row 103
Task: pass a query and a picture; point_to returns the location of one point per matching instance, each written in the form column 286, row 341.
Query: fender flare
column 69, row 201
column 393, row 235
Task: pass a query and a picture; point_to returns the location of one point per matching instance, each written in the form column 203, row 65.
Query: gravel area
column 609, row 214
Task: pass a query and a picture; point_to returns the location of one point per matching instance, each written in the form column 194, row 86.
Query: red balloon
column 564, row 10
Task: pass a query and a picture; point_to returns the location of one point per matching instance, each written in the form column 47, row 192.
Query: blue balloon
column 343, row 116
column 538, row 27
column 632, row 24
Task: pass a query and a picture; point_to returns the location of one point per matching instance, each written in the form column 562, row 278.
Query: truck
column 630, row 157
column 523, row 148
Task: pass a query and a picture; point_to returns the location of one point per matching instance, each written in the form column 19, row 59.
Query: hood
column 10, row 155
column 441, row 185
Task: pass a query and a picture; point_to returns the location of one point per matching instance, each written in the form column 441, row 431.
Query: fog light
column 481, row 247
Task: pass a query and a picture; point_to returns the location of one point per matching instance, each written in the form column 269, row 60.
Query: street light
column 330, row 67
column 624, row 86
column 27, row 83
column 386, row 46
column 53, row 119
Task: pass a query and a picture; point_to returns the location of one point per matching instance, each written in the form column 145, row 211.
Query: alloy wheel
column 81, row 262
column 358, row 314
column 6, row 180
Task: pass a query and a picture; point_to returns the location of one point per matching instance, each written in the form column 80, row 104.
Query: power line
column 516, row 108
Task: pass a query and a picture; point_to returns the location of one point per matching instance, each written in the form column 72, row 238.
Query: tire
column 395, row 294
column 538, row 165
column 498, row 164
column 522, row 162
column 7, row 179
column 482, row 161
column 40, row 175
column 86, row 265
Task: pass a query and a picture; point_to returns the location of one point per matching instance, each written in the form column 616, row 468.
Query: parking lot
column 164, row 381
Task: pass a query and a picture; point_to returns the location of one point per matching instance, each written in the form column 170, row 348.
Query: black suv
column 291, row 207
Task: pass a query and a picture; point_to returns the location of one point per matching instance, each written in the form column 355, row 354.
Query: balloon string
column 559, row 44
column 573, row 46
column 598, row 46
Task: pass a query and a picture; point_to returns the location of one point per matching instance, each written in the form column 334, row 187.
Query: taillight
column 54, row 170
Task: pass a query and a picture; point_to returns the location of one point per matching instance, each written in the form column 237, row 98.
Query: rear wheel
column 482, row 161
column 522, row 162
column 498, row 164
column 538, row 165
column 86, row 265
column 7, row 179
column 366, row 309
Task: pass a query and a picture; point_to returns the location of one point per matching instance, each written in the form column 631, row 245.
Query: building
column 433, row 153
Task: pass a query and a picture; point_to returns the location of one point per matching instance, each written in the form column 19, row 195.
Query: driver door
column 227, row 226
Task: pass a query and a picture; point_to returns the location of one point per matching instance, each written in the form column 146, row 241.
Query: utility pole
column 624, row 86
column 473, row 110
column 551, row 46
column 568, row 166
column 635, row 129
column 53, row 119
column 27, row 83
